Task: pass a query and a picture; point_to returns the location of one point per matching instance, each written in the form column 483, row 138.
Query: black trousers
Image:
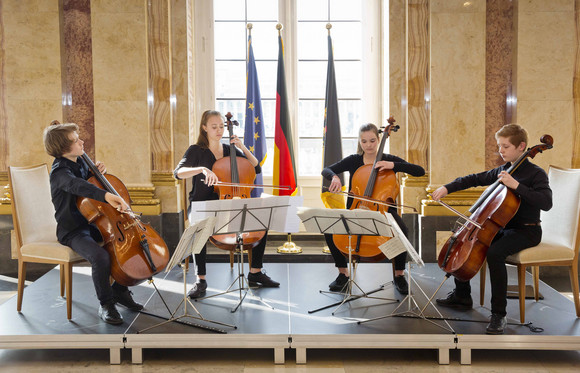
column 84, row 243
column 340, row 260
column 257, row 256
column 506, row 242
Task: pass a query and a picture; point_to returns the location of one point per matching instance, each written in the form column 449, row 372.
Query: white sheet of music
column 399, row 244
column 364, row 222
column 192, row 240
column 277, row 213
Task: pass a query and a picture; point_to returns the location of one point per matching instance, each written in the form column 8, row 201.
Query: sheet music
column 192, row 241
column 399, row 244
column 364, row 222
column 276, row 213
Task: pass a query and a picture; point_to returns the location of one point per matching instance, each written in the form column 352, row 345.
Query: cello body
column 464, row 253
column 236, row 170
column 124, row 237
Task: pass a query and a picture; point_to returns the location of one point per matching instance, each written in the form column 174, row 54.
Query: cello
column 465, row 251
column 137, row 251
column 372, row 184
column 236, row 175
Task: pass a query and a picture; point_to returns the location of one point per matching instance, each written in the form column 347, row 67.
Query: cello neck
column 102, row 179
column 373, row 175
column 235, row 177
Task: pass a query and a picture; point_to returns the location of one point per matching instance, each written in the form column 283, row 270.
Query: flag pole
column 288, row 247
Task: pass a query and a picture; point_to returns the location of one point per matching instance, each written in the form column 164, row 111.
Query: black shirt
column 68, row 180
column 354, row 161
column 534, row 190
column 197, row 156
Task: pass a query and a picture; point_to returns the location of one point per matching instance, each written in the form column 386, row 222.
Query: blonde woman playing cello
column 368, row 145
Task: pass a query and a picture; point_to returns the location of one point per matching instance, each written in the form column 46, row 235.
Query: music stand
column 191, row 242
column 347, row 222
column 238, row 216
column 396, row 245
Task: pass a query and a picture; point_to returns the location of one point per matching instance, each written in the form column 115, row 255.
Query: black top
column 354, row 161
column 534, row 190
column 196, row 156
column 68, row 180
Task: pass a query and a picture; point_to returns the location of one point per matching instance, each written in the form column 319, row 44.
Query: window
column 305, row 42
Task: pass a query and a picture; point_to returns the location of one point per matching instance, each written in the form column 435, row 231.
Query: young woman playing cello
column 197, row 163
column 366, row 154
column 530, row 183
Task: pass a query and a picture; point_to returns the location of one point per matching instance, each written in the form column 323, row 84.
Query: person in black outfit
column 366, row 154
column 68, row 180
column 197, row 163
column 530, row 183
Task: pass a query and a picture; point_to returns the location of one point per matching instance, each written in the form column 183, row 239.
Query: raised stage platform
column 282, row 321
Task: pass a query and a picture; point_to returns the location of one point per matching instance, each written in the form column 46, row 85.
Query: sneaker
column 453, row 301
column 108, row 312
column 401, row 284
column 198, row 290
column 262, row 279
column 339, row 284
column 496, row 324
column 125, row 298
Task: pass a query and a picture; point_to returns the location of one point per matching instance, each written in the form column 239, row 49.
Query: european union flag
column 254, row 134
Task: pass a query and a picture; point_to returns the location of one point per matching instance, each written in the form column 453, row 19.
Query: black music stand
column 347, row 222
column 398, row 244
column 247, row 215
column 191, row 242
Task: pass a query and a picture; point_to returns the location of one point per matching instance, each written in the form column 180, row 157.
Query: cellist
column 530, row 183
column 68, row 180
column 197, row 162
column 368, row 143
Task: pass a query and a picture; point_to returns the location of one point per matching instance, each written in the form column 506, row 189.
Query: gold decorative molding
column 143, row 200
column 461, row 201
column 415, row 182
column 163, row 179
column 5, row 196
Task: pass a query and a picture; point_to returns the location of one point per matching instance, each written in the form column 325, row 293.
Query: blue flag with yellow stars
column 254, row 134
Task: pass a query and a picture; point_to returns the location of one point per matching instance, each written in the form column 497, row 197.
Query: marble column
column 77, row 69
column 3, row 119
column 576, row 89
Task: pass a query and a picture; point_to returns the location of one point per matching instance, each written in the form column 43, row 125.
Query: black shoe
column 125, row 298
column 108, row 312
column 339, row 284
column 453, row 301
column 401, row 284
column 262, row 279
column 496, row 324
column 198, row 290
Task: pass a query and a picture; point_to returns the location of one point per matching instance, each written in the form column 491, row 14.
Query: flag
column 254, row 134
column 284, row 166
column 331, row 140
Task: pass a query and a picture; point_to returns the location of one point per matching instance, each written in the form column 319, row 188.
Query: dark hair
column 515, row 133
column 365, row 128
column 202, row 139
column 56, row 138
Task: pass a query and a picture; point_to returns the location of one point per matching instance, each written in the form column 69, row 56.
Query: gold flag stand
column 289, row 247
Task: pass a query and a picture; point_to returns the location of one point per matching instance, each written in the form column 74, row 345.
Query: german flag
column 284, row 165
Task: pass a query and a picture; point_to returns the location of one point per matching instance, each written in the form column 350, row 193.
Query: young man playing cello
column 530, row 183
column 68, row 180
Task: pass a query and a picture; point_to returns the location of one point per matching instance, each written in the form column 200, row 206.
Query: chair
column 35, row 228
column 560, row 238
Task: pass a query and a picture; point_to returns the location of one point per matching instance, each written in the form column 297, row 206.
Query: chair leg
column 68, row 280
column 21, row 280
column 250, row 257
column 536, row 276
column 482, row 276
column 62, row 280
column 574, row 282
column 232, row 259
column 522, row 291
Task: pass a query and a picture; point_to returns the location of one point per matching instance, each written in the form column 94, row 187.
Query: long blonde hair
column 365, row 128
column 202, row 139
